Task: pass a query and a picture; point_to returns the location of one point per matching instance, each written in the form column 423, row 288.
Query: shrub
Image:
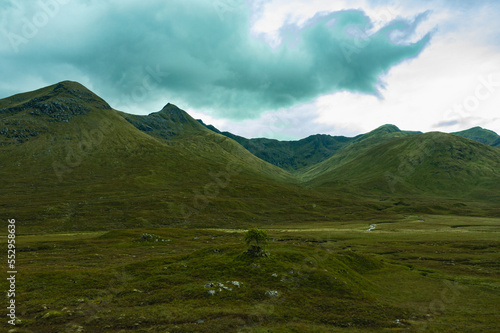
column 256, row 239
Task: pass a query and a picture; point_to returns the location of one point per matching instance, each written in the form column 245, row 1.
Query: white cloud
column 420, row 94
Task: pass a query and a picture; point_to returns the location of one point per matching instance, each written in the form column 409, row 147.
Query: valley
column 128, row 222
column 419, row 274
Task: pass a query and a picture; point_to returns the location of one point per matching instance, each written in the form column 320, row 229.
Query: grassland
column 420, row 273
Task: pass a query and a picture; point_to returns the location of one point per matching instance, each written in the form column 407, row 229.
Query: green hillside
column 357, row 147
column 480, row 134
column 305, row 153
column 176, row 128
column 429, row 165
column 74, row 163
column 290, row 155
column 71, row 162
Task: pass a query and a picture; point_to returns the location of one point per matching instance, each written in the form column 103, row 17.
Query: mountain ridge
column 296, row 155
column 303, row 153
column 480, row 134
column 421, row 161
column 108, row 169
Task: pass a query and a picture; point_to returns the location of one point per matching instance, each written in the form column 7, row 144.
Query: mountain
column 177, row 128
column 358, row 146
column 296, row 155
column 71, row 162
column 482, row 135
column 168, row 123
column 303, row 155
column 430, row 165
column 290, row 155
column 25, row 116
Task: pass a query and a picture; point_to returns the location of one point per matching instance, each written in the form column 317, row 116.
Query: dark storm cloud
column 199, row 53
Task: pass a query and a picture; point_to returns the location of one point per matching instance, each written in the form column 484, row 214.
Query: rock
column 75, row 329
column 52, row 314
column 146, row 237
column 272, row 293
column 221, row 286
column 274, row 275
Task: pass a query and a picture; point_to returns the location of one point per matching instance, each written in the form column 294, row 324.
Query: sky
column 282, row 69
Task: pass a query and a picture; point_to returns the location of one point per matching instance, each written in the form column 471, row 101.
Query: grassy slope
column 111, row 175
column 431, row 172
column 436, row 162
column 91, row 168
column 176, row 128
column 482, row 135
column 293, row 155
column 359, row 146
column 302, row 154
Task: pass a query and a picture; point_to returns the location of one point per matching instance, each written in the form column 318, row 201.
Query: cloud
column 291, row 124
column 437, row 91
column 201, row 54
column 447, row 123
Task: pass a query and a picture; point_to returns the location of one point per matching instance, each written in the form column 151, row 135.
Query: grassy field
column 417, row 274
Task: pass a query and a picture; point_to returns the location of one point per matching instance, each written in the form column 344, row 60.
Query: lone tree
column 256, row 239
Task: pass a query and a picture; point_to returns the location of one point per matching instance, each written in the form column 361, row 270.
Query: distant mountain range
column 293, row 155
column 69, row 161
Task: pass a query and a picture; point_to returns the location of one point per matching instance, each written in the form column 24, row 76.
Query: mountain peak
column 389, row 128
column 169, row 106
column 383, row 130
column 55, row 103
column 167, row 123
column 72, row 90
column 480, row 134
column 172, row 112
column 30, row 112
column 67, row 85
